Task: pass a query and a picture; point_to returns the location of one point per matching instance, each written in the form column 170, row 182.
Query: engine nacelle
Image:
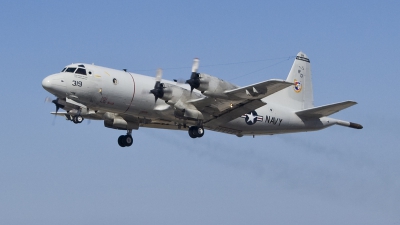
column 210, row 85
column 184, row 110
column 172, row 93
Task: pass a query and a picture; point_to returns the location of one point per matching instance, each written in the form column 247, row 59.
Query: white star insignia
column 251, row 117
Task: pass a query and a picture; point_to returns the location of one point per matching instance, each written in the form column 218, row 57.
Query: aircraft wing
column 232, row 104
column 235, row 112
column 325, row 110
column 258, row 90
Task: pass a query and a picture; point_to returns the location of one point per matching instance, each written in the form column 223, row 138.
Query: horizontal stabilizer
column 325, row 110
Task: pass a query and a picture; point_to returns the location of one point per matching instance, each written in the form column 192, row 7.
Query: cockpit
column 80, row 69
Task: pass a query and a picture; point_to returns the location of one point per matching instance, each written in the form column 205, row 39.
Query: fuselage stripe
column 302, row 58
column 133, row 95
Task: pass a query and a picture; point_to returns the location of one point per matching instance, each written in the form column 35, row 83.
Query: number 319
column 77, row 83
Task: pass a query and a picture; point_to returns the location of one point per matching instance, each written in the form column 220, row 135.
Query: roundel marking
column 251, row 118
column 297, row 86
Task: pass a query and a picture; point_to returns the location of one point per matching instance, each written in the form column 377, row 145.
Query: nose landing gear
column 125, row 140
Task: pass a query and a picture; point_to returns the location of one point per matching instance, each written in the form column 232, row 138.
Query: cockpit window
column 63, row 70
column 70, row 69
column 81, row 71
column 81, row 65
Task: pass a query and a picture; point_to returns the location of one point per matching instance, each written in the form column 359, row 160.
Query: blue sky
column 55, row 172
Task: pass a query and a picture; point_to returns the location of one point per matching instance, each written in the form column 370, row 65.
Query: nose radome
column 46, row 83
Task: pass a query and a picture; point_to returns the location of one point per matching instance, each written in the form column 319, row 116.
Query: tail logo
column 297, row 86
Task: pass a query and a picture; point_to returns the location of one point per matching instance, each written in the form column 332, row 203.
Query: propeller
column 194, row 80
column 158, row 90
column 58, row 106
column 55, row 102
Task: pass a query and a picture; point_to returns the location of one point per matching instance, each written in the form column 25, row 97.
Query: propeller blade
column 195, row 65
column 48, row 99
column 194, row 80
column 159, row 75
column 54, row 121
column 158, row 90
column 57, row 105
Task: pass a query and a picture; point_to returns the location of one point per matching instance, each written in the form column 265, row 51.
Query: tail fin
column 300, row 95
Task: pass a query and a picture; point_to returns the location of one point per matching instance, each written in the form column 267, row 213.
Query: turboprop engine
column 207, row 84
column 177, row 97
column 213, row 86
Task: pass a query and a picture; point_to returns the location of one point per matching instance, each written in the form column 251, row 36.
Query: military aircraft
column 127, row 101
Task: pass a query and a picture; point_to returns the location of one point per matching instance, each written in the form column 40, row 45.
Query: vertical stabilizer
column 300, row 95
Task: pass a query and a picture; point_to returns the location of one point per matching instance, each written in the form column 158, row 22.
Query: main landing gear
column 125, row 140
column 196, row 131
column 77, row 119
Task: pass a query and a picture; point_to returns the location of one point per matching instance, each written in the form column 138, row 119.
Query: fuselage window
column 70, row 69
column 63, row 70
column 81, row 71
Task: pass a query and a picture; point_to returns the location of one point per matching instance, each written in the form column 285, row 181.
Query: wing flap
column 325, row 110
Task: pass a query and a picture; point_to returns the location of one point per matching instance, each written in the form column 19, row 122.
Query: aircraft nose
column 46, row 83
column 54, row 84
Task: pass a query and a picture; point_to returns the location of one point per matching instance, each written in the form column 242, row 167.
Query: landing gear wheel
column 121, row 141
column 125, row 140
column 128, row 140
column 77, row 119
column 191, row 132
column 199, row 132
column 196, row 132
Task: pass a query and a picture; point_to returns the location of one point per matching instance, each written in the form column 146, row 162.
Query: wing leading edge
column 258, row 90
